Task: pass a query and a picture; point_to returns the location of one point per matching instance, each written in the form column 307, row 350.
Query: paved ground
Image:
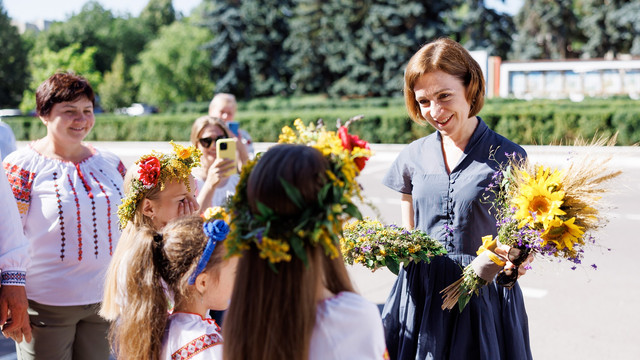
column 581, row 314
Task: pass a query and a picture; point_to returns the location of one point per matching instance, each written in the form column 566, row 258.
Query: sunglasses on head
column 207, row 141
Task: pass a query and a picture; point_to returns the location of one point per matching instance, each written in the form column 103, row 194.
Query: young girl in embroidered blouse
column 284, row 307
column 187, row 256
column 158, row 188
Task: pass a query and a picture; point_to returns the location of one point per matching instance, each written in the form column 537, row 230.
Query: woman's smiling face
column 443, row 102
column 70, row 121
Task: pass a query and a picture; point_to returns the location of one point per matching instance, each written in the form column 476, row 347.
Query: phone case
column 226, row 149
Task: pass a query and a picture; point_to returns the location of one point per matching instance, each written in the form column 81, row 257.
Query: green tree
column 174, row 67
column 310, row 72
column 613, row 27
column 392, row 32
column 345, row 60
column 266, row 26
column 547, row 29
column 224, row 21
column 116, row 89
column 156, row 14
column 70, row 59
column 481, row 28
column 13, row 62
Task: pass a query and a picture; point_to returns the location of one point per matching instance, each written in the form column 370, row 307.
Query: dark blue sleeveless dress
column 494, row 325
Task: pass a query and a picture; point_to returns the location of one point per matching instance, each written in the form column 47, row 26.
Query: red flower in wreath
column 351, row 141
column 149, row 171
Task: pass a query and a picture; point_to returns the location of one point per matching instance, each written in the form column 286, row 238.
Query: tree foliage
column 547, row 29
column 13, row 62
column 156, row 14
column 116, row 89
column 224, row 21
column 70, row 59
column 266, row 28
column 613, row 27
column 173, row 68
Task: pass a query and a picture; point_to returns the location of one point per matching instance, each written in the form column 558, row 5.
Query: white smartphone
column 226, row 149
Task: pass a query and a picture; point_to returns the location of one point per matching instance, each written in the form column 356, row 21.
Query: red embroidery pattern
column 108, row 211
column 75, row 194
column 21, row 182
column 60, row 213
column 196, row 346
column 122, row 169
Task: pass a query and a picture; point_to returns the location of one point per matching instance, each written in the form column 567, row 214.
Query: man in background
column 224, row 107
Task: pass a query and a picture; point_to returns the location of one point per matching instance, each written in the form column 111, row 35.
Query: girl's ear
column 147, row 208
column 202, row 281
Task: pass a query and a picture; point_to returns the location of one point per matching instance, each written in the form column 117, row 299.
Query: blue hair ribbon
column 216, row 231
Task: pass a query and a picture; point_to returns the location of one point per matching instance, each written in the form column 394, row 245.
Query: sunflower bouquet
column 375, row 245
column 539, row 210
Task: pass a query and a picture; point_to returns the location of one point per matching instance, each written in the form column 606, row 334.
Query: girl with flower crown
column 293, row 298
column 186, row 258
column 158, row 188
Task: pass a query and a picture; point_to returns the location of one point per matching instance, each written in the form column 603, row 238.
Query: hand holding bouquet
column 542, row 211
column 375, row 245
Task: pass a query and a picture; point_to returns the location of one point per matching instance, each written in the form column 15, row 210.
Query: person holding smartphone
column 217, row 176
column 224, row 107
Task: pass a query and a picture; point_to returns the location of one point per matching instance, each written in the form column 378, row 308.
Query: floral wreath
column 156, row 169
column 278, row 239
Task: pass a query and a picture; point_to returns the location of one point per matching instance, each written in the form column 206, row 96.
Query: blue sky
column 30, row 10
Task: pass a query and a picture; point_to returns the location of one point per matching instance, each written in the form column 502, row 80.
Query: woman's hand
column 503, row 250
column 218, row 172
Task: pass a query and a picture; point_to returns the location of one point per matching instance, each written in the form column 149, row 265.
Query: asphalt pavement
column 573, row 314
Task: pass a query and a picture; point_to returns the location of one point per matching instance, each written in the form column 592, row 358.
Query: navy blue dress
column 494, row 324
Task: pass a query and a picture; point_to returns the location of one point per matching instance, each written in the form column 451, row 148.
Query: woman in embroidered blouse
column 68, row 193
column 441, row 179
column 214, row 186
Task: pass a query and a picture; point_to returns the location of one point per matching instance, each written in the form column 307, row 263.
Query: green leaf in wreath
column 298, row 248
column 293, row 193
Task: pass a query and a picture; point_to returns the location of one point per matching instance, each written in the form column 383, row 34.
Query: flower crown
column 156, row 169
column 318, row 225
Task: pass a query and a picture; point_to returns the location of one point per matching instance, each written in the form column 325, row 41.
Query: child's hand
column 188, row 206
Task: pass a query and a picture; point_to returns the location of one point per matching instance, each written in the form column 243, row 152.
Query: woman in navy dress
column 442, row 178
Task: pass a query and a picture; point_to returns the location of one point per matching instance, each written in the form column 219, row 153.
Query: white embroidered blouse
column 14, row 255
column 189, row 336
column 69, row 216
column 347, row 327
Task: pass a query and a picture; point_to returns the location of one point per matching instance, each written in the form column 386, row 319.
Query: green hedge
column 525, row 122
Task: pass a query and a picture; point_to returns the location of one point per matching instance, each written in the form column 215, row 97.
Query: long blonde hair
column 110, row 309
column 170, row 258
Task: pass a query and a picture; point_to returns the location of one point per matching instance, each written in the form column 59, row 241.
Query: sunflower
column 539, row 199
column 564, row 234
